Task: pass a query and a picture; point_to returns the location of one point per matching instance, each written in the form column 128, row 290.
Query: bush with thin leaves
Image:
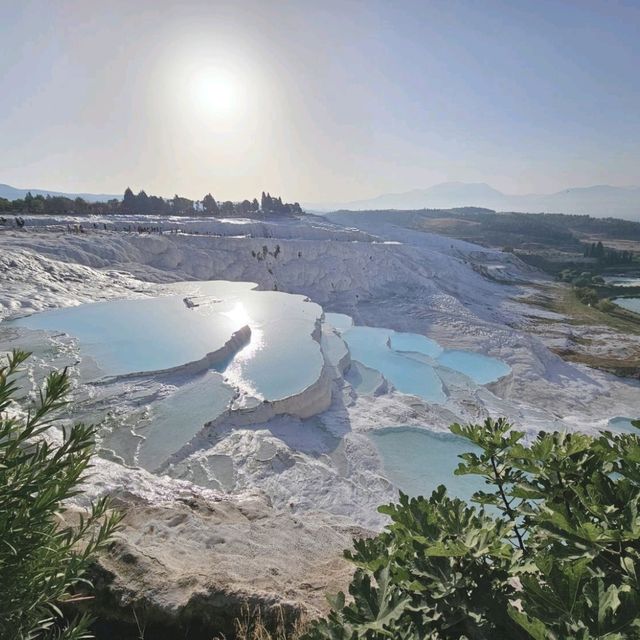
column 43, row 559
column 555, row 555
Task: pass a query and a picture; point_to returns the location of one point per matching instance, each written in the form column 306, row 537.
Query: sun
column 214, row 93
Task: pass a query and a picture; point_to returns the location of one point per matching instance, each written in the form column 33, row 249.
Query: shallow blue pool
column 369, row 345
column 622, row 424
column 364, row 380
column 417, row 461
column 408, row 360
column 415, row 343
column 126, row 336
column 480, row 368
column 149, row 334
column 630, row 304
column 177, row 418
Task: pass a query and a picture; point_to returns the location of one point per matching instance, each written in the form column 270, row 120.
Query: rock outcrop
column 194, row 564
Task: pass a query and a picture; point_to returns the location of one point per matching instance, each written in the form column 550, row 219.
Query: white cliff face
column 310, row 451
column 32, row 282
column 342, row 267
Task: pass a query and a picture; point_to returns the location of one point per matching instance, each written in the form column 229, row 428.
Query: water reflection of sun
column 235, row 372
column 238, row 315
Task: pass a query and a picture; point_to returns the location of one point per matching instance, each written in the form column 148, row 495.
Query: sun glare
column 239, row 315
column 215, row 94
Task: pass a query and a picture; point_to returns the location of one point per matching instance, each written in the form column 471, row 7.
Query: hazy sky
column 318, row 101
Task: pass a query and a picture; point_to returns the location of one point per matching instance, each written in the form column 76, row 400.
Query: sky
column 318, row 101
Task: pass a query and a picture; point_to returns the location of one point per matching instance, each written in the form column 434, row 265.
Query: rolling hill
column 599, row 201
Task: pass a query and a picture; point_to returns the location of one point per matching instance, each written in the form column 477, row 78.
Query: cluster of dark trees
column 527, row 228
column 517, row 230
column 607, row 255
column 178, row 205
column 142, row 203
column 580, row 224
column 275, row 205
column 56, row 204
column 606, row 227
column 581, row 278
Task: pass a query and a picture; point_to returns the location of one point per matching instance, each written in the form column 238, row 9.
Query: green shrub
column 581, row 282
column 42, row 557
column 586, row 295
column 606, row 305
column 552, row 553
column 567, row 275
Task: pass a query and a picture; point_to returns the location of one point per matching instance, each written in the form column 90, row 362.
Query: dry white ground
column 310, row 481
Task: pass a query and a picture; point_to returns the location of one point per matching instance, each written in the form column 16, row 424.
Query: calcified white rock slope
column 381, row 274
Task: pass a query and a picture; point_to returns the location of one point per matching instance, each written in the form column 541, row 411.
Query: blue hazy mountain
column 600, row 200
column 12, row 193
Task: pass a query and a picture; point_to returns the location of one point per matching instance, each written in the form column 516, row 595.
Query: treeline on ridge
column 607, row 255
column 555, row 229
column 141, row 203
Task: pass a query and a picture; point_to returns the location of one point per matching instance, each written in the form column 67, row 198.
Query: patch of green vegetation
column 43, row 559
column 555, row 556
column 591, row 291
column 561, row 232
column 622, row 367
column 568, row 302
column 607, row 257
column 580, row 278
column 143, row 204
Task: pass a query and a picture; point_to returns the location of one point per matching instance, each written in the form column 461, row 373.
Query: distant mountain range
column 600, row 201
column 12, row 193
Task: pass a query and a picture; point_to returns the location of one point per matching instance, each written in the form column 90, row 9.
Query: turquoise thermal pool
column 622, row 424
column 433, row 459
column 409, row 361
column 364, row 380
column 480, row 368
column 201, row 399
column 369, row 346
column 415, row 343
column 197, row 318
column 284, row 353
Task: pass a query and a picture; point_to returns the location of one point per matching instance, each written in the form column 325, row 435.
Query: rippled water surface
column 417, row 461
column 149, row 334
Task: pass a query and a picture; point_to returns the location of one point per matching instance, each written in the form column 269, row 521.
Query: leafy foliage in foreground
column 554, row 556
column 41, row 558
